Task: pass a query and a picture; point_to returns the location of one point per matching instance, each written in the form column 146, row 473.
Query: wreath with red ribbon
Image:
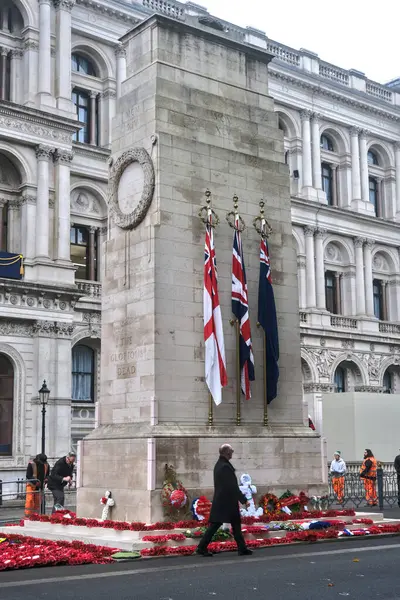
column 270, row 503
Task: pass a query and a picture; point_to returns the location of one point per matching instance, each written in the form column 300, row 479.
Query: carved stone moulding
column 135, row 217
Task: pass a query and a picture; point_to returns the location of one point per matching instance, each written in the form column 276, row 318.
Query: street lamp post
column 44, row 394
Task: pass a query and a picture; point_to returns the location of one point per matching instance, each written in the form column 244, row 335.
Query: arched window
column 340, row 380
column 83, row 244
column 82, row 374
column 373, row 194
column 327, row 182
column 326, row 143
column 372, row 158
column 81, row 64
column 388, row 382
column 6, row 405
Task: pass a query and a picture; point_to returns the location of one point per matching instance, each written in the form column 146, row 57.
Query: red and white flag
column 216, row 376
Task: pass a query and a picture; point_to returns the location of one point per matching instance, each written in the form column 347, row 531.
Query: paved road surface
column 312, row 572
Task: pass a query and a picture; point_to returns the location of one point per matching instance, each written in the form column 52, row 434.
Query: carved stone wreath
column 133, row 219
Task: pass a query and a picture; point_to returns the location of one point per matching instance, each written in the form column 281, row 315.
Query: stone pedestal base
column 129, row 460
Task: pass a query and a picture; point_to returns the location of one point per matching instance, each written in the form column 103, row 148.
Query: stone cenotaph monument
column 194, row 114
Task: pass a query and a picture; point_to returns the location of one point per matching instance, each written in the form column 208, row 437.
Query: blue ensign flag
column 268, row 321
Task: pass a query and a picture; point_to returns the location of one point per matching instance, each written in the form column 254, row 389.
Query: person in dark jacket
column 36, row 474
column 397, row 469
column 225, row 506
column 60, row 476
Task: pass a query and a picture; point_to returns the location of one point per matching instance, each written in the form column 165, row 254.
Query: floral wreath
column 270, row 503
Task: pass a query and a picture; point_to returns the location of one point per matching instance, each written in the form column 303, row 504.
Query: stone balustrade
column 379, row 91
column 343, row 322
column 389, row 328
column 283, row 53
column 89, row 288
column 334, row 73
column 166, row 7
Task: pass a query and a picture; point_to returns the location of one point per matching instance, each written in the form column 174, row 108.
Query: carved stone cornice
column 44, row 152
column 359, row 242
column 30, row 121
column 17, row 53
column 35, row 296
column 63, row 157
column 309, row 231
column 305, row 115
column 120, row 51
column 110, row 11
column 368, row 389
column 320, row 233
column 28, row 199
column 31, row 45
column 326, row 91
column 310, row 388
column 64, row 5
column 108, row 94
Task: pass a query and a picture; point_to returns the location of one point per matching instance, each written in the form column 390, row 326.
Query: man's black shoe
column 246, row 552
column 203, row 553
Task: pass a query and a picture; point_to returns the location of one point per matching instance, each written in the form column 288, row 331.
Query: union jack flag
column 240, row 308
column 215, row 364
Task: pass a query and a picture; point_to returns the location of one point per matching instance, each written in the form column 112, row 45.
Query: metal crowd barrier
column 354, row 491
column 13, row 497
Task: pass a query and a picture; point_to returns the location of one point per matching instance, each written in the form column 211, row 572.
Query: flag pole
column 206, row 215
column 262, row 227
column 236, row 222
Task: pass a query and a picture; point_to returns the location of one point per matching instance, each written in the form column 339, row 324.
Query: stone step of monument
column 133, row 540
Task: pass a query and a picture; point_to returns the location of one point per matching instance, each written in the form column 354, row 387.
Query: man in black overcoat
column 225, row 506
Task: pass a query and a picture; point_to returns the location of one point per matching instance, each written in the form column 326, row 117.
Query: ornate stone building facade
column 61, row 71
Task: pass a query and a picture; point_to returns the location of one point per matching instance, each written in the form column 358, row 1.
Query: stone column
column 319, row 268
column 92, row 253
column 44, row 79
column 364, row 166
column 335, row 200
column 16, row 76
column 13, row 218
column 28, row 226
column 316, row 152
column 63, row 53
column 310, row 266
column 93, row 114
column 43, row 154
column 360, row 288
column 3, row 70
column 385, row 312
column 31, row 65
column 397, row 156
column 306, row 135
column 338, row 291
column 2, row 248
column 62, row 161
column 301, row 267
column 355, row 164
column 120, row 53
column 369, row 293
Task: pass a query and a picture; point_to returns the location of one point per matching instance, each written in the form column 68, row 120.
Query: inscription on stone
column 116, row 357
column 126, row 371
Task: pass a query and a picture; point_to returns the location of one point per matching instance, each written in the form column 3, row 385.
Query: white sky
column 352, row 34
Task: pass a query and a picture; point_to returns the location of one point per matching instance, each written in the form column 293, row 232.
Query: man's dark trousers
column 59, row 497
column 213, row 528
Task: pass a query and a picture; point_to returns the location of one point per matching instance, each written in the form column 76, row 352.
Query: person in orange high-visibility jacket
column 37, row 472
column 368, row 474
column 338, row 469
